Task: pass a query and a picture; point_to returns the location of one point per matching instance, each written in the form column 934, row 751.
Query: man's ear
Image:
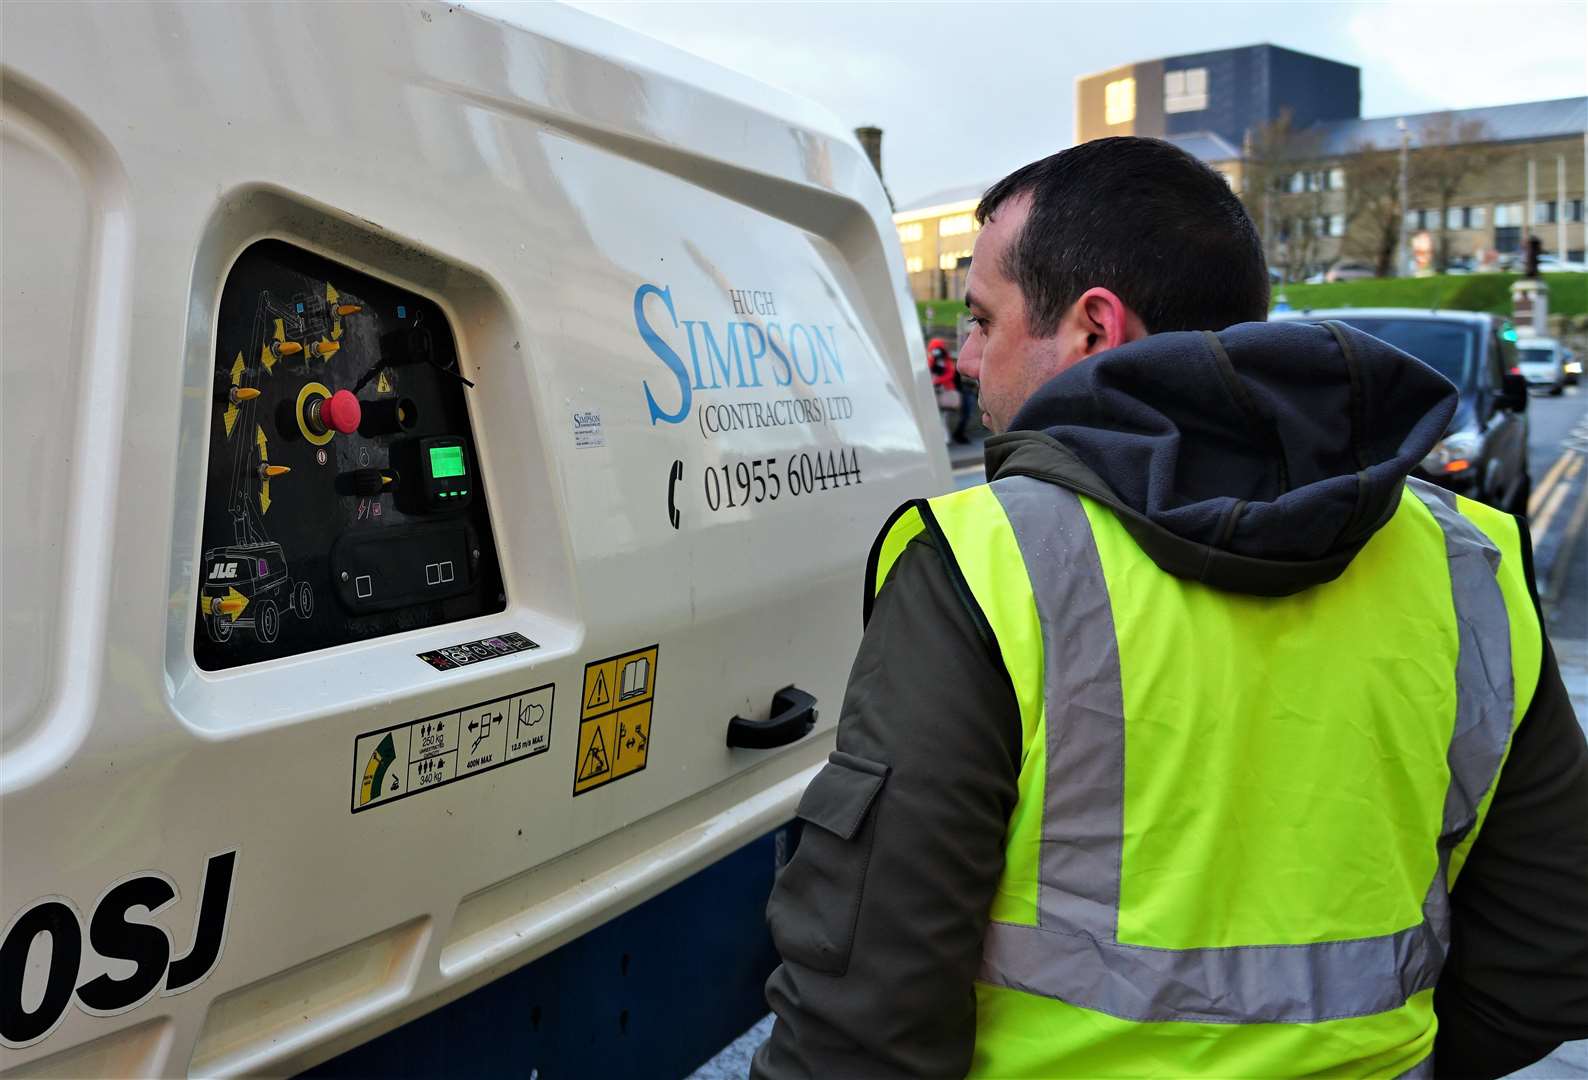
column 1107, row 322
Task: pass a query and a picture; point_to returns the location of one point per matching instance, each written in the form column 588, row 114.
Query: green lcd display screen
column 446, row 461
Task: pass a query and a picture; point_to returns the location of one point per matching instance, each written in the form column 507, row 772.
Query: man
column 1177, row 749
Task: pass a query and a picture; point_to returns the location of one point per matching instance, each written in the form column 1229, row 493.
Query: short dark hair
column 1139, row 217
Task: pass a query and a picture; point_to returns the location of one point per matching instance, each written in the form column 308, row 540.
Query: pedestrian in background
column 954, row 392
column 1201, row 741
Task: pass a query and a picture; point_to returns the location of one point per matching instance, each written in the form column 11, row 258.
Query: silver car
column 1543, row 363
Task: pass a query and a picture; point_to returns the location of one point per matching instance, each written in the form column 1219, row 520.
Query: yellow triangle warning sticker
column 599, row 694
column 383, row 382
column 595, row 759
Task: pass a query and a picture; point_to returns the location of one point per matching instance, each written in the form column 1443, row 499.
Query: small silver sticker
column 587, row 430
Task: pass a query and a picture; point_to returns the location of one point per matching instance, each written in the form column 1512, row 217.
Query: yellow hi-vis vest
column 1239, row 817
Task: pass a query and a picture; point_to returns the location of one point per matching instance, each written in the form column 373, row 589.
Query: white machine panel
column 694, row 394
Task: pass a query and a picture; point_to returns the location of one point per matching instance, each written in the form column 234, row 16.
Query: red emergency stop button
column 341, row 412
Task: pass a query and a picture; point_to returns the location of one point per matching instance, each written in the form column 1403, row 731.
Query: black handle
column 793, row 716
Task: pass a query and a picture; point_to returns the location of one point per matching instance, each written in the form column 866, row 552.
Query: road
column 1558, row 512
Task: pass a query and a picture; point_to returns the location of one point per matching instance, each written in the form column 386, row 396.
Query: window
column 1119, row 101
column 1447, row 347
column 1574, row 210
column 950, row 259
column 958, row 225
column 1508, row 215
column 1336, row 179
column 910, row 233
column 914, row 264
column 1298, row 183
column 1414, row 219
column 1456, row 217
column 1336, row 224
column 1543, row 213
column 1185, row 91
column 1229, row 178
column 1477, row 217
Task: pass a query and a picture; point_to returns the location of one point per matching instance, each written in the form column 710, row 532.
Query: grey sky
column 965, row 92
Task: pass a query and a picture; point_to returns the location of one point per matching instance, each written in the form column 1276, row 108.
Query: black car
column 1484, row 453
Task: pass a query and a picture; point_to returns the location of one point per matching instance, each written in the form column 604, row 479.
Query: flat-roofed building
column 1321, row 181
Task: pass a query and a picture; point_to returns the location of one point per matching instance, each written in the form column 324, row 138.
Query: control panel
column 343, row 499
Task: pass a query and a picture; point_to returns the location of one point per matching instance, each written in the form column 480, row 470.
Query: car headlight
column 1454, row 454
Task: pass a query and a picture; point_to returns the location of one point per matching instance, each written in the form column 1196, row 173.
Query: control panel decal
column 342, row 498
column 615, row 718
column 392, row 763
column 472, row 652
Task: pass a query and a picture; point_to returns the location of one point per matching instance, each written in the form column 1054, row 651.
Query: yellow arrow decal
column 331, row 298
column 229, row 417
column 237, row 370
column 259, row 437
column 231, row 604
column 267, row 359
column 264, row 497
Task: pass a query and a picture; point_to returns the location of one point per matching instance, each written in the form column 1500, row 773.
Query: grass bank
column 1568, row 293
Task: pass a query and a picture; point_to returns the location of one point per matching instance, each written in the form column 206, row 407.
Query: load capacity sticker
column 615, row 718
column 393, row 763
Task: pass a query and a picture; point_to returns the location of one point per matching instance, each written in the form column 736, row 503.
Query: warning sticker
column 615, row 718
column 393, row 763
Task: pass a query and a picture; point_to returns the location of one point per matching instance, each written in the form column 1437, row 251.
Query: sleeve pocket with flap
column 816, row 902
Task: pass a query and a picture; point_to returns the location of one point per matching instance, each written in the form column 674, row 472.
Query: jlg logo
column 113, row 935
column 223, row 571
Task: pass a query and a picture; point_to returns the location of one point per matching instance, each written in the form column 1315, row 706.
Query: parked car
column 1573, row 368
column 1543, row 363
column 1350, row 272
column 1550, row 264
column 1483, row 454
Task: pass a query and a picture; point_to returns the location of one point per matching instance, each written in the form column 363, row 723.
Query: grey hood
column 1259, row 459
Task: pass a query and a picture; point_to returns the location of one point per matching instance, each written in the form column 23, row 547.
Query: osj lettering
column 120, row 927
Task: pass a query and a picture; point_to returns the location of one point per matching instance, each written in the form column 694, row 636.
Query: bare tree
column 1448, row 152
column 1372, row 206
column 1281, row 186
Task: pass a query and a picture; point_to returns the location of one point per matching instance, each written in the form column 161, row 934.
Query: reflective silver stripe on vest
column 1073, row 953
column 1423, row 1070
column 1483, row 672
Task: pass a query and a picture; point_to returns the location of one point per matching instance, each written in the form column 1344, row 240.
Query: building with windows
column 937, row 234
column 1321, row 181
column 1225, row 94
